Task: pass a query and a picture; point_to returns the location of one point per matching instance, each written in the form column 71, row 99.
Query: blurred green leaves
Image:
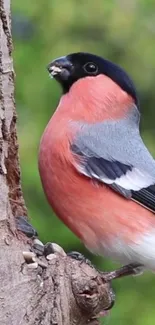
column 123, row 31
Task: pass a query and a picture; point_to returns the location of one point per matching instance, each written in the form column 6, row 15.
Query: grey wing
column 113, row 153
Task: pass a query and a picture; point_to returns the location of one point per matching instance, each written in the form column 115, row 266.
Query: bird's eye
column 91, row 68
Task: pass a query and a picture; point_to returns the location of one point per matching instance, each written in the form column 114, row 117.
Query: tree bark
column 59, row 290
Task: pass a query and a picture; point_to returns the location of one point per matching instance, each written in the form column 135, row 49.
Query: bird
column 96, row 172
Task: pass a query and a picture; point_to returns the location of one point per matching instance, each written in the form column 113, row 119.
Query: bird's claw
column 126, row 270
column 79, row 257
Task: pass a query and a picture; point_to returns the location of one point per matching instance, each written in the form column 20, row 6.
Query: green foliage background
column 123, row 31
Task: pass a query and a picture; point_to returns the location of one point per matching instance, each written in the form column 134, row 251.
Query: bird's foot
column 25, row 227
column 126, row 270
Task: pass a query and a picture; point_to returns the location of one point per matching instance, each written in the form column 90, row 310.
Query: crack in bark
column 13, row 174
column 9, row 160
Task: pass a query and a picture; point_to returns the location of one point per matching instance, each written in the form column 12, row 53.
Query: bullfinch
column 96, row 171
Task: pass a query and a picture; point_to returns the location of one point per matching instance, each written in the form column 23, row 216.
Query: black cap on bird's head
column 68, row 69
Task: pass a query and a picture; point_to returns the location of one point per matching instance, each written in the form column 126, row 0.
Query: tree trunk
column 59, row 290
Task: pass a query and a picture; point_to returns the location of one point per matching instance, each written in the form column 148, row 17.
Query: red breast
column 91, row 210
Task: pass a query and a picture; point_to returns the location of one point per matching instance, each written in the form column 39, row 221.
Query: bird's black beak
column 60, row 68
